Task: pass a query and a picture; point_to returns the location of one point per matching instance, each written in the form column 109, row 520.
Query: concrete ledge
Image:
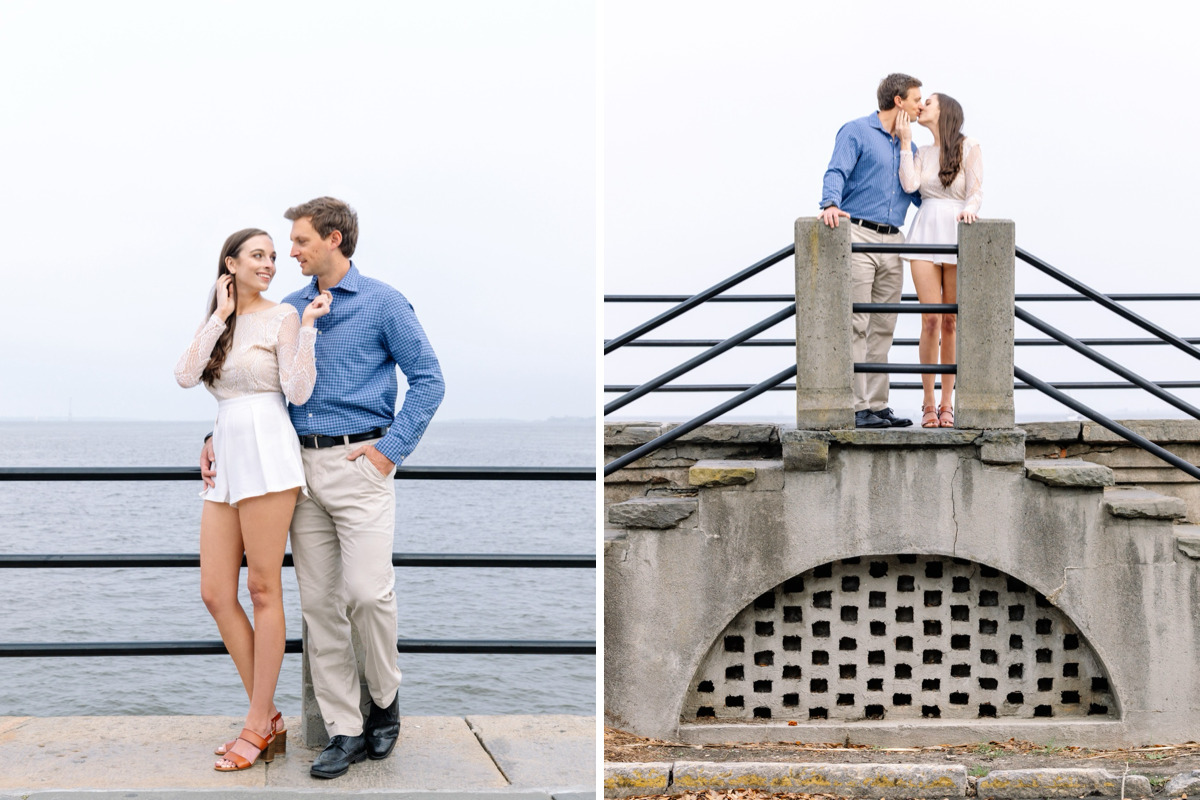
column 658, row 513
column 918, row 733
column 722, row 473
column 1002, row 447
column 843, row 780
column 1187, row 540
column 1160, row 431
column 1023, row 783
column 624, row 779
column 905, row 437
column 632, row 434
column 1135, row 502
column 1073, row 473
column 1051, row 431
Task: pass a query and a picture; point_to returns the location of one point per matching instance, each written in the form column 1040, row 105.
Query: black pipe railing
column 1107, row 363
column 1125, row 297
column 698, row 299
column 1107, row 302
column 694, row 388
column 1100, row 419
column 410, row 560
column 193, row 473
column 702, row 358
column 692, row 424
column 1101, row 342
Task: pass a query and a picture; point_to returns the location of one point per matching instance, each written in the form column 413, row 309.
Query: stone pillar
column 824, row 366
column 313, row 726
column 983, row 392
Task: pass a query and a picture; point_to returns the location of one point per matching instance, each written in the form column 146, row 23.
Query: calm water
column 62, row 605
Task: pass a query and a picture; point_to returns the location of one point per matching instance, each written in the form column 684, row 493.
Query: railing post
column 984, row 387
column 824, row 366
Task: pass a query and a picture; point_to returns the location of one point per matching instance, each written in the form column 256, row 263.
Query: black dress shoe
column 867, row 419
column 889, row 416
column 382, row 729
column 338, row 755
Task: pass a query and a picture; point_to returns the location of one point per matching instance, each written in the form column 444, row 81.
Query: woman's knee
column 218, row 597
column 930, row 323
column 265, row 588
column 949, row 323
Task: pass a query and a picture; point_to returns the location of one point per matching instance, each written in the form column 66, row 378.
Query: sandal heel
column 281, row 742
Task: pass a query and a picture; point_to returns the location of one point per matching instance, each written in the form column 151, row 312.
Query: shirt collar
column 349, row 283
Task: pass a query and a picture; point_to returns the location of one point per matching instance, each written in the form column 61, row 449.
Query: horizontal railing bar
column 1100, row 419
column 216, row 648
column 149, row 560
column 1107, row 363
column 897, row 342
column 907, row 247
column 701, row 358
column 904, row 308
column 1106, row 301
column 193, row 473
column 697, row 299
column 787, row 298
column 791, row 387
column 907, row 369
column 707, row 416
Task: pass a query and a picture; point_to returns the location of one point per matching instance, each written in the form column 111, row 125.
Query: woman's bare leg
column 949, row 330
column 220, row 568
column 264, row 522
column 927, row 277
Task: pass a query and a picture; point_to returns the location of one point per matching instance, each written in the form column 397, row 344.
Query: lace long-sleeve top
column 921, row 172
column 271, row 352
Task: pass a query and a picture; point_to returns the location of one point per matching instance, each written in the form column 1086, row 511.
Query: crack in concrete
column 954, row 505
column 479, row 738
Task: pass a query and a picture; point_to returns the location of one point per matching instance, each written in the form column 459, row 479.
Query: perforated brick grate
column 899, row 637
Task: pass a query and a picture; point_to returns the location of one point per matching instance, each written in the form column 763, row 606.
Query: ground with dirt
column 1158, row 762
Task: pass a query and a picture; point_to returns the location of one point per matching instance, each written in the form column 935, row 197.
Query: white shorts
column 257, row 451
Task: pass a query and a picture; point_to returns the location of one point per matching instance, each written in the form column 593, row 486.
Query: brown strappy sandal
column 266, row 751
column 946, row 416
column 276, row 726
column 929, row 417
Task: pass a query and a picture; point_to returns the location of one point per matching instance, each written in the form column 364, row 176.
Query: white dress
column 271, row 358
column 935, row 221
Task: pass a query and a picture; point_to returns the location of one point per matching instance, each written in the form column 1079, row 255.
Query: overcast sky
column 135, row 136
column 719, row 120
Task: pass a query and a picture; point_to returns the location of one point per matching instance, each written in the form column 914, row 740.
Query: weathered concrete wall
column 1130, row 464
column 1123, row 581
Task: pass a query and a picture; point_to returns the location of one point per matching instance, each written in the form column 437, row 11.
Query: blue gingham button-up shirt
column 369, row 331
column 863, row 178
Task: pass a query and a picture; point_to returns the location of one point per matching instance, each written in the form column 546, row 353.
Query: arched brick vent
column 899, row 637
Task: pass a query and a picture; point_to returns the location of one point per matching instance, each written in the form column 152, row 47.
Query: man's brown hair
column 896, row 84
column 328, row 214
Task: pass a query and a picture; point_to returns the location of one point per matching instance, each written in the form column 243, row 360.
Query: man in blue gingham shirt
column 370, row 330
column 343, row 528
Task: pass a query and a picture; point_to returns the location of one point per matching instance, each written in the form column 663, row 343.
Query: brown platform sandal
column 929, row 417
column 946, row 416
column 266, row 751
column 276, row 726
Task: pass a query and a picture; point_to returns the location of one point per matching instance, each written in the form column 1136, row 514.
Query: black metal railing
column 1055, row 337
column 192, row 560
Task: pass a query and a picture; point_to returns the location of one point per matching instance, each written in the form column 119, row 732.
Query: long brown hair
column 950, row 122
column 231, row 248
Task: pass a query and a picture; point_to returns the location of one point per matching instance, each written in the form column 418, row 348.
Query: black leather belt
column 875, row 226
column 334, row 441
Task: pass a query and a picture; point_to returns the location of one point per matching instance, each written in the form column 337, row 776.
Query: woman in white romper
column 251, row 354
column 949, row 174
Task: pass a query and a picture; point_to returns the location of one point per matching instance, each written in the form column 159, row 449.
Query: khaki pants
column 874, row 278
column 342, row 540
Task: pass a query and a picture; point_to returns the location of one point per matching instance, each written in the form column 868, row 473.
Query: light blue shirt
column 369, row 331
column 863, row 178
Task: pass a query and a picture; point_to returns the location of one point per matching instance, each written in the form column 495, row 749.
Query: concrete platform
column 148, row 758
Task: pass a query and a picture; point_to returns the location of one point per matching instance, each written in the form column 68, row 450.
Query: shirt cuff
column 390, row 446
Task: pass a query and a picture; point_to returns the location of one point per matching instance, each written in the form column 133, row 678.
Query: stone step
column 1134, row 502
column 657, row 513
column 1068, row 472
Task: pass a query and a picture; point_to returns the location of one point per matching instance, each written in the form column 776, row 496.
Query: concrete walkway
column 155, row 758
